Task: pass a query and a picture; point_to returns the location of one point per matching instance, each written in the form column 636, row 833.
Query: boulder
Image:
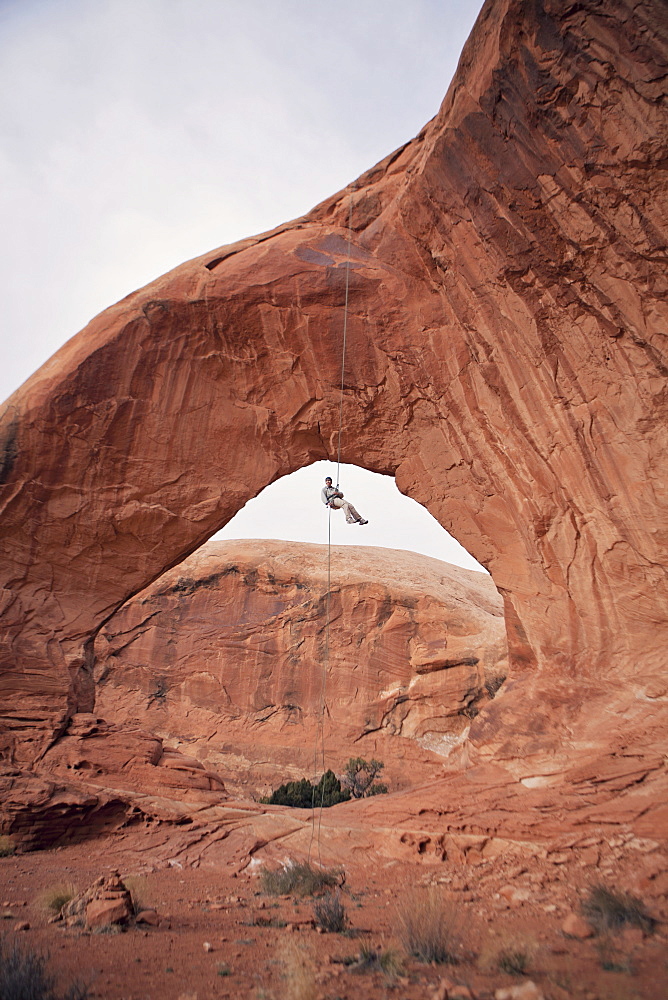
column 100, row 912
column 576, row 927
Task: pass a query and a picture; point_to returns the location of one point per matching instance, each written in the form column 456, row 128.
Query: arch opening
column 290, row 509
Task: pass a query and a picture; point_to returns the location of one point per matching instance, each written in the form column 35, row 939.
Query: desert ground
column 218, row 934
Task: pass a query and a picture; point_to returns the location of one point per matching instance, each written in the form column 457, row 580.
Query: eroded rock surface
column 228, row 654
column 97, row 778
column 506, row 362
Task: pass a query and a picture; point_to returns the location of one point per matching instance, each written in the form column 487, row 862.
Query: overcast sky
column 136, row 134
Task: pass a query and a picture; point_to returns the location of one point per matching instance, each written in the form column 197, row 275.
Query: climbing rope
column 320, row 731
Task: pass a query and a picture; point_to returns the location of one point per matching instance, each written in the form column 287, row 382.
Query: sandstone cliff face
column 505, row 362
column 229, row 654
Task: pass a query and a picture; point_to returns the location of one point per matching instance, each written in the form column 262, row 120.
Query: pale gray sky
column 291, row 509
column 136, row 134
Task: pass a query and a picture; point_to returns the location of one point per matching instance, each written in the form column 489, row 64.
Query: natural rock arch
column 504, row 363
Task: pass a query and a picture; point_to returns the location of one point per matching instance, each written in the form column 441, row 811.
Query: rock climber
column 333, row 497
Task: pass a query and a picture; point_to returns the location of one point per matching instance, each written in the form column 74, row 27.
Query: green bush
column 303, row 795
column 329, row 792
column 360, row 777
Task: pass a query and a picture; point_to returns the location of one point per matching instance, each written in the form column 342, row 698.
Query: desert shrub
column 24, row 976
column 607, row 910
column 330, row 913
column 259, row 920
column 303, row 795
column 428, row 926
column 6, row 846
column 360, row 775
column 300, row 879
column 329, row 791
column 513, row 960
column 379, row 788
column 298, row 794
column 57, row 896
column 77, row 991
column 371, row 960
column 510, row 953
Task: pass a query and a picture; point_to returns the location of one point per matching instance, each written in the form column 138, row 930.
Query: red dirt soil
column 499, row 904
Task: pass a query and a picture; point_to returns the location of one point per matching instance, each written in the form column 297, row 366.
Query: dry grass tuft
column 299, row 879
column 428, row 926
column 370, row 960
column 299, row 969
column 514, row 960
column 54, row 898
column 7, row 847
column 512, row 954
column 610, row 911
column 137, row 886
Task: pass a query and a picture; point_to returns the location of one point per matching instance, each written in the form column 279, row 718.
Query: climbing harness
column 320, row 730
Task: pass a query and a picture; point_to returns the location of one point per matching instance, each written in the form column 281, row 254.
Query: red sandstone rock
column 100, row 912
column 574, row 926
column 505, row 363
column 515, row 895
column 100, row 755
column 230, row 644
column 524, row 991
column 442, row 990
column 107, row 901
column 47, row 809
